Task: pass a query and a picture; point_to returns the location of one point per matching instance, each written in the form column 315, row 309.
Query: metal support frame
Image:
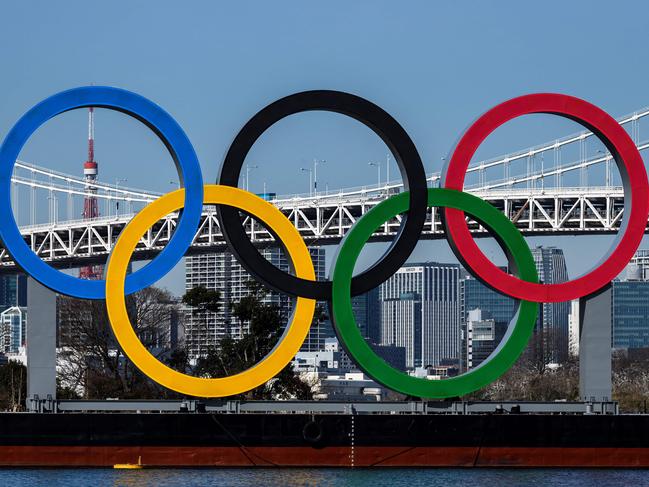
column 334, row 407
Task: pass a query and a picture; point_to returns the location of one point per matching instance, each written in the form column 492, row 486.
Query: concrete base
column 595, row 329
column 41, row 345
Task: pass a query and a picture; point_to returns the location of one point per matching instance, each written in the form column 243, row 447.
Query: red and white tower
column 90, row 204
column 90, row 171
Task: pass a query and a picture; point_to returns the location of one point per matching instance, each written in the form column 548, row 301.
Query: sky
column 434, row 66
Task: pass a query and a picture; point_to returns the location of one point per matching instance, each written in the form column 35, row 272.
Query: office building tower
column 552, row 325
column 573, row 329
column 630, row 309
column 639, row 266
column 493, row 305
column 13, row 312
column 13, row 290
column 13, row 325
column 395, row 356
column 483, row 334
column 551, row 339
column 402, row 326
column 368, row 314
column 420, row 311
column 630, row 304
column 475, row 294
column 220, row 271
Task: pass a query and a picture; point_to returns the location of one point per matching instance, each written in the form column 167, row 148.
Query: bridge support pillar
column 40, row 340
column 595, row 329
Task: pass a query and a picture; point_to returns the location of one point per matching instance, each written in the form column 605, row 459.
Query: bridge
column 539, row 192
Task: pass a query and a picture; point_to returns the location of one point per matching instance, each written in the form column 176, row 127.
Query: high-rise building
column 395, row 356
column 552, row 325
column 630, row 304
column 493, row 305
column 420, row 311
column 13, row 325
column 13, row 315
column 639, row 264
column 476, row 295
column 483, row 334
column 13, row 290
column 573, row 329
column 630, row 308
column 222, row 272
column 402, row 326
column 367, row 312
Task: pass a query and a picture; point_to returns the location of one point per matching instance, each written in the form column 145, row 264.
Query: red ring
column 636, row 191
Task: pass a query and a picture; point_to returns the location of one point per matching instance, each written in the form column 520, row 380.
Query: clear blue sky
column 435, row 66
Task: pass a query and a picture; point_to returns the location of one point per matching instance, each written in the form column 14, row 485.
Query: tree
column 13, row 386
column 541, row 351
column 203, row 299
column 527, row 381
column 91, row 361
column 261, row 327
column 179, row 360
column 631, row 380
column 535, row 376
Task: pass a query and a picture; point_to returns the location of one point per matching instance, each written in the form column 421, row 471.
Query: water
column 325, row 477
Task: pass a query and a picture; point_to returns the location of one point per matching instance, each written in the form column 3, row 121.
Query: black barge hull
column 323, row 440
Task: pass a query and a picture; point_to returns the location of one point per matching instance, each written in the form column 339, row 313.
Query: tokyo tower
column 90, row 204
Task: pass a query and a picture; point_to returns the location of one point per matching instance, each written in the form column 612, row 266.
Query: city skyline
column 630, row 314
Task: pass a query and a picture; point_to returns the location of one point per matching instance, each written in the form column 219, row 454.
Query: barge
column 234, row 434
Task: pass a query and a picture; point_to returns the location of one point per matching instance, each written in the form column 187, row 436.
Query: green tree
column 262, row 327
column 178, row 360
column 203, row 299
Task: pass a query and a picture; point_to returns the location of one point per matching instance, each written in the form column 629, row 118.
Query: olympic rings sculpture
column 338, row 291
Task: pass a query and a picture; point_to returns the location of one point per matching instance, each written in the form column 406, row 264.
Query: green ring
column 512, row 344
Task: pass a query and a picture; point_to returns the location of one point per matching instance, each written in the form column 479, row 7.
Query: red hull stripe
column 183, row 456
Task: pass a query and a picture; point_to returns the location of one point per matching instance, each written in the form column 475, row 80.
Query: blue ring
column 164, row 126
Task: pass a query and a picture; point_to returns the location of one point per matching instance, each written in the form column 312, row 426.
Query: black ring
column 393, row 135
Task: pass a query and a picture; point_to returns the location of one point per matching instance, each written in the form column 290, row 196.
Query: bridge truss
column 567, row 211
column 535, row 189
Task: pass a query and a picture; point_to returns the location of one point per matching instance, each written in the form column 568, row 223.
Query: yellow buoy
column 130, row 466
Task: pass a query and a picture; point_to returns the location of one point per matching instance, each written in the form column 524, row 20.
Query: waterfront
column 324, row 477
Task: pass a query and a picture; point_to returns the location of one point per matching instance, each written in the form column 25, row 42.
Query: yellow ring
column 275, row 361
